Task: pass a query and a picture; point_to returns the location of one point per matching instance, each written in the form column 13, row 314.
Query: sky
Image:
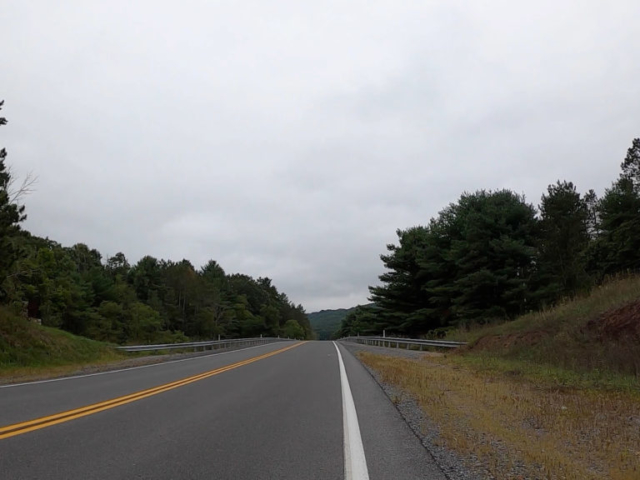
column 292, row 139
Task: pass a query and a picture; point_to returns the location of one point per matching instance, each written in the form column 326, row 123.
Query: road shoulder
column 391, row 447
column 449, row 463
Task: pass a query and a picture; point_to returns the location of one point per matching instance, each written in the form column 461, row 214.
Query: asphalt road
column 278, row 411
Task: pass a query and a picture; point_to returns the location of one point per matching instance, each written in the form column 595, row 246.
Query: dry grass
column 571, row 336
column 614, row 293
column 518, row 428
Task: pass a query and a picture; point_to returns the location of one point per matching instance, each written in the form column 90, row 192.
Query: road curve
column 276, row 411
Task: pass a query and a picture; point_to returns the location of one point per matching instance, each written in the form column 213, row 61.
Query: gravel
column 453, row 465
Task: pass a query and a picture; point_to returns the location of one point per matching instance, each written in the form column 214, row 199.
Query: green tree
column 11, row 214
column 401, row 296
column 70, row 288
column 146, row 277
column 494, row 252
column 363, row 320
column 112, row 321
column 118, row 265
column 617, row 248
column 563, row 240
column 143, row 323
column 631, row 165
column 473, row 263
column 438, row 270
column 292, row 329
column 593, row 220
column 271, row 318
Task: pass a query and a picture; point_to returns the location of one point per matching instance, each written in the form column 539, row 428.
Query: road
column 278, row 411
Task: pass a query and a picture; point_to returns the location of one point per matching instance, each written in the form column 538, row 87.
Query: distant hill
column 326, row 322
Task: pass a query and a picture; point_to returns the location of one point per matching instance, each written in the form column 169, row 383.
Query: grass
column 565, row 338
column 519, row 428
column 551, row 395
column 566, row 317
column 28, row 350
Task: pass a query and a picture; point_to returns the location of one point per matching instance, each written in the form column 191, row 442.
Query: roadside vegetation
column 516, row 428
column 554, row 394
column 594, row 340
column 548, row 298
column 326, row 323
column 28, row 350
column 492, row 257
column 76, row 290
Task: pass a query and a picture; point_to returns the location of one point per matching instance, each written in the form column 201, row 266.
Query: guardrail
column 394, row 342
column 206, row 345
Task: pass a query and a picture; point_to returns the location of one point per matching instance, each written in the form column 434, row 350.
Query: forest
column 492, row 256
column 151, row 301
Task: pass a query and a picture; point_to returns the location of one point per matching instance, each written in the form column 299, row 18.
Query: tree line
column 492, row 256
column 153, row 301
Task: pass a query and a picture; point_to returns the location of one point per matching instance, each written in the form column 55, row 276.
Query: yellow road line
column 43, row 422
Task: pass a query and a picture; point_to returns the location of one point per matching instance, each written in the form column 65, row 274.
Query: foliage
column 595, row 334
column 563, row 241
column 491, row 256
column 326, row 323
column 153, row 300
column 472, row 263
column 25, row 344
column 71, row 289
column 11, row 214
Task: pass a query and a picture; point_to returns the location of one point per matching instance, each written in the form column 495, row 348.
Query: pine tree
column 631, row 164
column 617, row 247
column 401, row 297
column 11, row 214
column 564, row 238
column 494, row 252
column 619, row 242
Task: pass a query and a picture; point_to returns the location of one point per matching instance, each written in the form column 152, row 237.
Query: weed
column 27, row 349
column 517, row 426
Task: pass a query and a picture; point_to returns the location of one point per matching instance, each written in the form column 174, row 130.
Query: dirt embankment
column 619, row 325
column 508, row 341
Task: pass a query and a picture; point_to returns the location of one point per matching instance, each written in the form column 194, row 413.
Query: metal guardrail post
column 394, row 342
column 211, row 345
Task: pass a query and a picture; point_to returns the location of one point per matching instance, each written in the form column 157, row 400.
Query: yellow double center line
column 43, row 422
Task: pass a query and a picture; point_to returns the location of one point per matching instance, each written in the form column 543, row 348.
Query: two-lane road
column 278, row 411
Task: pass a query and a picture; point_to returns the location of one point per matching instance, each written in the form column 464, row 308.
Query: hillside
column 25, row 345
column 595, row 335
column 553, row 394
column 326, row 322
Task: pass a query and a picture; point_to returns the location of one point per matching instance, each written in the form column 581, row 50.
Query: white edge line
column 73, row 377
column 355, row 461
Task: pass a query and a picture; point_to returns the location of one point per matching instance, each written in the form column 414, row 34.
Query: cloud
column 291, row 140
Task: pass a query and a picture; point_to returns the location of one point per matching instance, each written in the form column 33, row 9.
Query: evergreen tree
column 401, row 297
column 11, row 214
column 631, row 164
column 618, row 246
column 564, row 238
column 494, row 255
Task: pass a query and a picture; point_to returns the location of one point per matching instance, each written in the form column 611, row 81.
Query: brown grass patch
column 622, row 324
column 517, row 427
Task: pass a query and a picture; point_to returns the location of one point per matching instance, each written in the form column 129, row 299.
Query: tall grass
column 518, row 428
column 26, row 345
column 563, row 337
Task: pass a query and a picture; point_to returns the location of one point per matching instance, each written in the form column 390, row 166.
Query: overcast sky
column 291, row 139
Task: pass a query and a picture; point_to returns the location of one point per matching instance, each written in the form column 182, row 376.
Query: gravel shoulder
column 453, row 465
